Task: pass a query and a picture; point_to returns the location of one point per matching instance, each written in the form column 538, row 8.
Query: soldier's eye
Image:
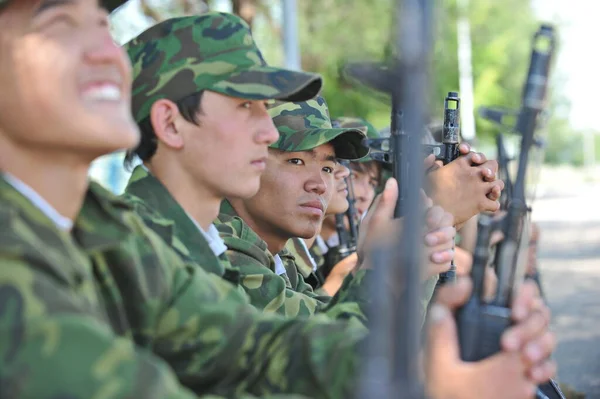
column 246, row 104
column 328, row 169
column 296, row 161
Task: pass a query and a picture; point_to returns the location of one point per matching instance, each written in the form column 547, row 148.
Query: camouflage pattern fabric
column 108, row 310
column 303, row 263
column 110, row 5
column 292, row 296
column 160, row 211
column 306, row 125
column 214, row 51
column 317, row 255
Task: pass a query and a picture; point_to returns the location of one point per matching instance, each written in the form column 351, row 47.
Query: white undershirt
column 61, row 222
column 215, row 242
column 279, row 268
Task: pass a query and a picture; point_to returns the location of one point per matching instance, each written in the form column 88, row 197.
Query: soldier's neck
column 198, row 201
column 274, row 237
column 328, row 229
column 60, row 179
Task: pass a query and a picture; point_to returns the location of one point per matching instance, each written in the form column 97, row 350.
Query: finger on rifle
column 525, row 301
column 427, row 201
column 540, row 349
column 490, row 166
column 478, row 158
column 542, row 373
column 525, row 332
column 455, row 295
column 464, row 148
column 429, row 162
column 442, row 257
column 441, row 235
column 434, row 216
column 496, row 191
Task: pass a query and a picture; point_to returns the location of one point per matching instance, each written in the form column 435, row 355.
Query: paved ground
column 569, row 216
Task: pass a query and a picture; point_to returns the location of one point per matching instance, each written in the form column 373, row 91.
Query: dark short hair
column 369, row 167
column 189, row 107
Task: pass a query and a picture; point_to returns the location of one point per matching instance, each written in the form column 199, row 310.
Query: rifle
column 447, row 151
column 481, row 324
column 347, row 236
column 391, row 369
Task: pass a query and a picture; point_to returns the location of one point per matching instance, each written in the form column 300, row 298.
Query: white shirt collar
column 279, row 268
column 215, row 242
column 61, row 222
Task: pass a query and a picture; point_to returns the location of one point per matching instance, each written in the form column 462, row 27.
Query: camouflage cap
column 110, row 5
column 213, row 51
column 306, row 125
column 359, row 123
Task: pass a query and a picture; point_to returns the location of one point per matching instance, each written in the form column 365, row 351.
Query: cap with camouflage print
column 214, row 51
column 358, row 123
column 306, row 125
column 110, row 5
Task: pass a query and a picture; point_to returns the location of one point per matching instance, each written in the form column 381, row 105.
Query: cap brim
column 347, row 143
column 112, row 5
column 266, row 82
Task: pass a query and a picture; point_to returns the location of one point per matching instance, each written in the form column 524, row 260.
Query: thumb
column 385, row 203
column 442, row 344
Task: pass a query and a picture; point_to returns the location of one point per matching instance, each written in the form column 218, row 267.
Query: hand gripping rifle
column 391, row 368
column 481, row 324
column 447, row 151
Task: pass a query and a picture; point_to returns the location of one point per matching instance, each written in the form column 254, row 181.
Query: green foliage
column 333, row 32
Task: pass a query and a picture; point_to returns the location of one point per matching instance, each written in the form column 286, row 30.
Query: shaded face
column 228, row 151
column 65, row 84
column 339, row 198
column 293, row 192
column 365, row 179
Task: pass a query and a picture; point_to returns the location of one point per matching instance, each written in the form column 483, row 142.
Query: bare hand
column 466, row 187
column 439, row 241
column 507, row 374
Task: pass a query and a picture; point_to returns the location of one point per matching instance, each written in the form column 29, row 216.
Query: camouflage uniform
column 305, row 264
column 110, row 310
column 302, row 126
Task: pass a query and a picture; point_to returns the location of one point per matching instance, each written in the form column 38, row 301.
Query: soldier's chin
column 245, row 191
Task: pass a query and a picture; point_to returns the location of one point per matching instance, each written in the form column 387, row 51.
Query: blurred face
column 339, row 198
column 228, row 151
column 65, row 84
column 293, row 192
column 365, row 179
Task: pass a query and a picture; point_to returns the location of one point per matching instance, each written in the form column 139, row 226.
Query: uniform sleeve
column 218, row 343
column 269, row 292
column 52, row 348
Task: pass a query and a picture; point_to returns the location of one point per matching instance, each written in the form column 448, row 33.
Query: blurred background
column 482, row 50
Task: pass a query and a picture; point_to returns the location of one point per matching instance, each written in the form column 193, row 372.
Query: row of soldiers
column 191, row 283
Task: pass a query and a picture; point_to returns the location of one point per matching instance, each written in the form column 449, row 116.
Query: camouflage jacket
column 109, row 310
column 304, row 264
column 289, row 295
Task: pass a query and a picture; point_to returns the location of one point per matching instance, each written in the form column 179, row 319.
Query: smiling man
column 94, row 304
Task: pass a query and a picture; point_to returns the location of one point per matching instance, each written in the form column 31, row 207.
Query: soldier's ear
column 163, row 116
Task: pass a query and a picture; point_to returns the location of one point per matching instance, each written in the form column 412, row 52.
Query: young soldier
column 291, row 203
column 93, row 303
